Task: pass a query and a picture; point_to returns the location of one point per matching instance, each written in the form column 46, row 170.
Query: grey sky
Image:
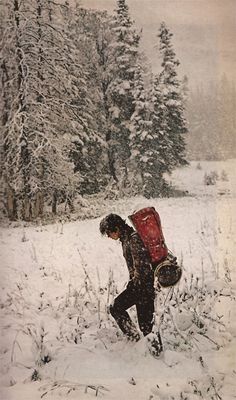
column 204, row 33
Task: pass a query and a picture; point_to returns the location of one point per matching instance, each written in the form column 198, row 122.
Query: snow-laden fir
column 57, row 339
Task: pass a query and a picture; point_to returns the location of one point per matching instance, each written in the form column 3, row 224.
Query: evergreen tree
column 146, row 140
column 139, row 133
column 161, row 142
column 172, row 101
column 162, row 146
column 124, row 50
column 151, row 150
column 92, row 35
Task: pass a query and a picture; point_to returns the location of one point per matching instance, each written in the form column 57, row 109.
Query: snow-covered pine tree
column 172, row 101
column 146, row 141
column 41, row 70
column 91, row 33
column 125, row 50
column 160, row 146
column 103, row 36
column 139, row 131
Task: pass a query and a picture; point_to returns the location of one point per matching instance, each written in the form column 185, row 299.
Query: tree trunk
column 11, row 203
column 54, row 202
column 70, row 203
column 38, row 205
column 6, row 106
column 27, row 209
column 111, row 158
column 25, row 156
column 111, row 155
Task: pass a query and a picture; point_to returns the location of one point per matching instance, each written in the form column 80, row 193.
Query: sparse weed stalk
column 14, row 344
column 24, row 238
column 42, row 354
column 227, row 275
column 99, row 296
column 111, row 288
column 207, row 388
column 65, row 388
column 81, row 308
column 40, row 351
column 34, row 254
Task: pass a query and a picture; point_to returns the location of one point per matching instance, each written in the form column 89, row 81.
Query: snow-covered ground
column 57, row 339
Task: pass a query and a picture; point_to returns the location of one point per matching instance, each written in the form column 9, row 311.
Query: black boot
column 155, row 344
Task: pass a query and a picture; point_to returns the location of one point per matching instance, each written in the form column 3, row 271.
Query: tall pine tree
column 172, row 102
column 149, row 148
column 92, row 35
column 124, row 49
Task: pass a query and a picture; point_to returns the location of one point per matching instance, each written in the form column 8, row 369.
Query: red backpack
column 148, row 224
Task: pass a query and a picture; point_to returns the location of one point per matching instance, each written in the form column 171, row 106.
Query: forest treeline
column 81, row 111
column 211, row 115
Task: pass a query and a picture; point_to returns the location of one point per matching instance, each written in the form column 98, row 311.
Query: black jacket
column 137, row 259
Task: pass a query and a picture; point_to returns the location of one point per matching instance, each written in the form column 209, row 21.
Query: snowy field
column 57, row 339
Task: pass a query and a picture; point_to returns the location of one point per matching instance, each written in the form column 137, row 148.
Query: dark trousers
column 143, row 298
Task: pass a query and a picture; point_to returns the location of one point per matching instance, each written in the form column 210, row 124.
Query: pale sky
column 204, row 33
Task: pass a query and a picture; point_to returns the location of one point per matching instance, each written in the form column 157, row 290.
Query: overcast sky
column 204, row 33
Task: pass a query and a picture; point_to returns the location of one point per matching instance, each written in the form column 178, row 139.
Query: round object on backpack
column 168, row 273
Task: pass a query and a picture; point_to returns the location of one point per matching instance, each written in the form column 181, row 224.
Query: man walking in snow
column 140, row 288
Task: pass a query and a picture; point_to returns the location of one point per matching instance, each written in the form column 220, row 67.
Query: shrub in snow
column 211, row 178
column 35, row 376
